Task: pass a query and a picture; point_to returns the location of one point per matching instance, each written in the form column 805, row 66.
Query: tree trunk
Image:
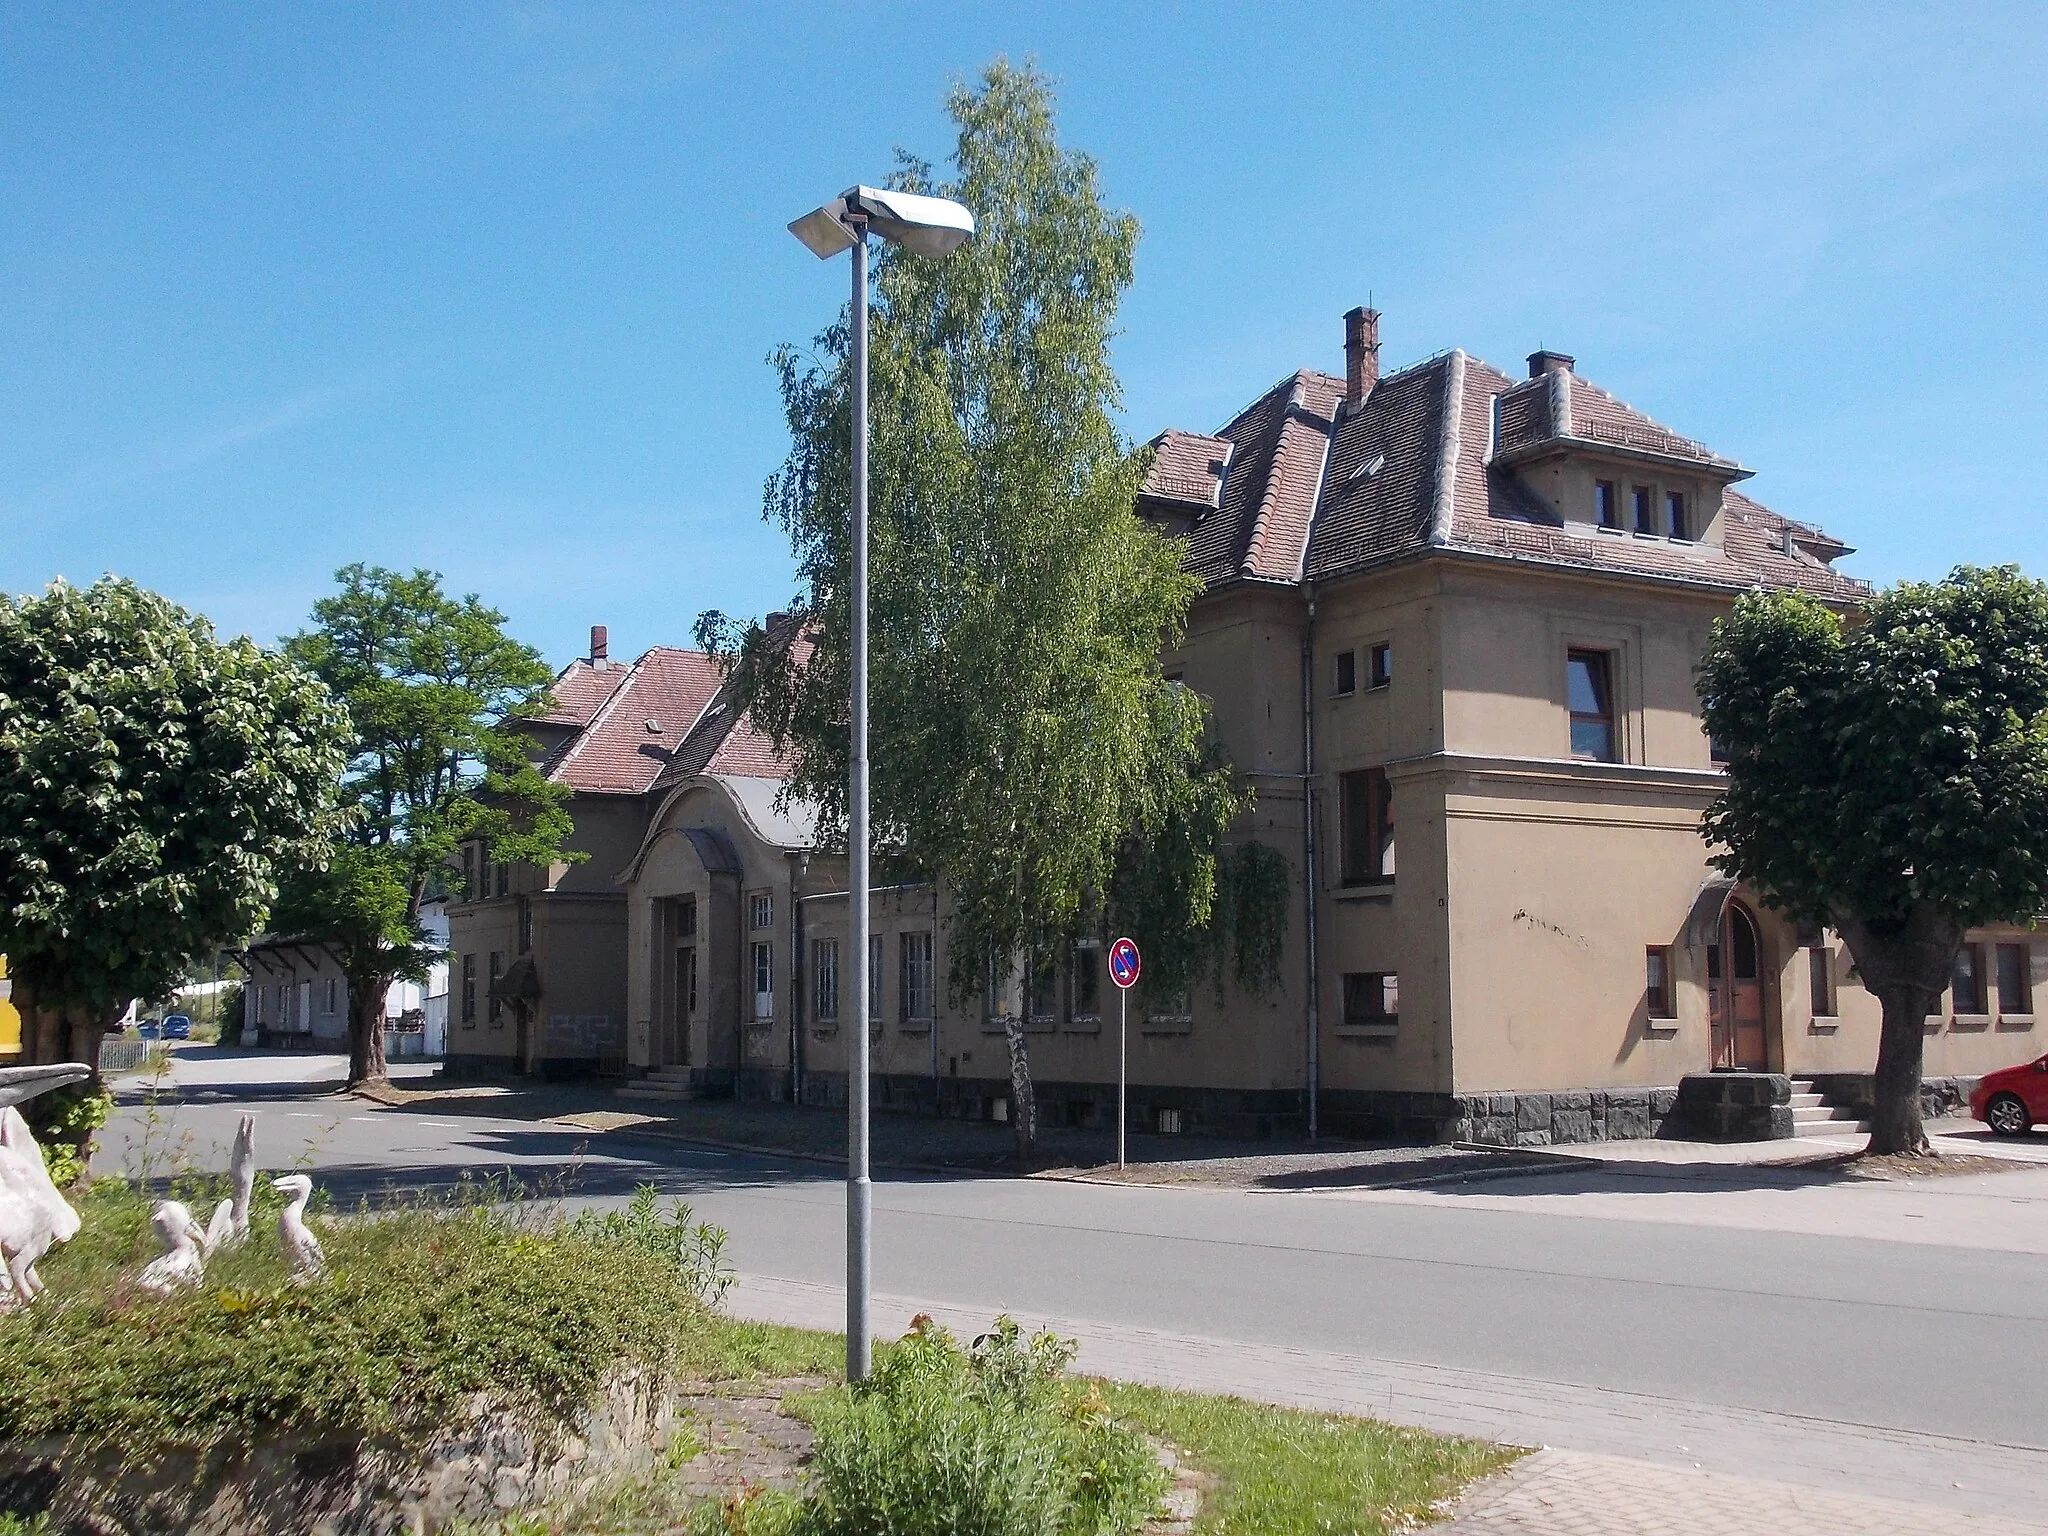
column 1906, row 967
column 1023, row 1102
column 366, row 1030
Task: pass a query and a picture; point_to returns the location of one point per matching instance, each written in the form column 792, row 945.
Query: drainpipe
column 799, row 865
column 1308, row 860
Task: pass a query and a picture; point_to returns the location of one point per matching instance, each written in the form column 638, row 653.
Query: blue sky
column 489, row 287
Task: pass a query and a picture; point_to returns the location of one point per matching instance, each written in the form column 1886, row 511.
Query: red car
column 2014, row 1101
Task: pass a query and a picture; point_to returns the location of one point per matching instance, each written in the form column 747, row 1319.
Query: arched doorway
column 1735, row 988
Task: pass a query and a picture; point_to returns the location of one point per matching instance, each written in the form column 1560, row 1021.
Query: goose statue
column 300, row 1245
column 229, row 1224
column 34, row 1217
column 182, row 1265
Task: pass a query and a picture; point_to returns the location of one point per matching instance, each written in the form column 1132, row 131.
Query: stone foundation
column 1858, row 1091
column 1736, row 1106
column 478, row 1471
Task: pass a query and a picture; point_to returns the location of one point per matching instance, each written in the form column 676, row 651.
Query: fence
column 122, row 1055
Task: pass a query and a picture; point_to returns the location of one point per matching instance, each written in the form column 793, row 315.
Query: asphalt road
column 1841, row 1321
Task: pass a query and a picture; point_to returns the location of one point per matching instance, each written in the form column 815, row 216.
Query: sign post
column 1123, row 970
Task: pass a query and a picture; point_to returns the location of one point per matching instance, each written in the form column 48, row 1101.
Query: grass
column 1288, row 1472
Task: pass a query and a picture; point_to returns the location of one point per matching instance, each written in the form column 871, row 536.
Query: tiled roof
column 726, row 741
column 1278, row 443
column 620, row 752
column 1427, row 461
column 1187, row 467
column 581, row 690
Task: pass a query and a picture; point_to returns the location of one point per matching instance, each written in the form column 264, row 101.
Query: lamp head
column 925, row 226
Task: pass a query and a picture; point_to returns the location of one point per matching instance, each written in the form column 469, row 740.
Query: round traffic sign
column 1123, row 963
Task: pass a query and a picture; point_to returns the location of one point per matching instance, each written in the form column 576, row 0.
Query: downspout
column 1308, row 859
column 743, row 991
column 799, row 864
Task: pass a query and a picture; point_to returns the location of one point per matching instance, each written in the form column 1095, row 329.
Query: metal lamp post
column 926, row 226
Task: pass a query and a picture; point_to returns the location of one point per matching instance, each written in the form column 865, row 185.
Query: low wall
column 308, row 1485
column 1736, row 1106
column 1858, row 1091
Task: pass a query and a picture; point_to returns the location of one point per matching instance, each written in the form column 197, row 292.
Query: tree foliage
column 1888, row 776
column 434, row 687
column 154, row 781
column 1023, row 732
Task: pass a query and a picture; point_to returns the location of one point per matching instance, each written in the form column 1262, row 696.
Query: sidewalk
column 1623, row 1463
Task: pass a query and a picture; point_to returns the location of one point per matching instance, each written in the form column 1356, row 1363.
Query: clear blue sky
column 489, row 287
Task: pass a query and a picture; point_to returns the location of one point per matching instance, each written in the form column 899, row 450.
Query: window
column 1372, row 997
column 496, row 1008
column 1657, row 982
column 1367, row 809
column 525, row 926
column 1645, row 509
column 333, row 988
column 874, row 978
column 1606, row 504
column 1592, row 706
column 1347, row 672
column 1966, row 988
column 1045, row 985
column 764, row 980
column 1087, row 982
column 1382, row 670
column 825, row 980
column 1674, row 511
column 469, row 991
column 504, row 879
column 1164, row 1007
column 1004, row 986
column 2015, row 979
column 469, row 890
column 760, row 910
column 686, row 918
column 916, row 991
column 1820, row 980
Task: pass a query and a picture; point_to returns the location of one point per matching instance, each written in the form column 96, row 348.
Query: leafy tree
column 1888, row 777
column 1024, row 737
column 154, row 781
column 433, row 685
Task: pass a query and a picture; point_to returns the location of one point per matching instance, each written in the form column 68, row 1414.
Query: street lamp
column 925, row 226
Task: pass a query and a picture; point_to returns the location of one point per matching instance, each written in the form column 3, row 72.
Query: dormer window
column 1645, row 510
column 1605, row 504
column 1674, row 507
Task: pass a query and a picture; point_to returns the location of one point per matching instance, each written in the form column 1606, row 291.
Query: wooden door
column 1736, row 1004
column 675, row 1043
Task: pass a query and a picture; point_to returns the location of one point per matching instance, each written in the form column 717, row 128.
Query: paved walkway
column 1569, row 1493
column 1918, row 1481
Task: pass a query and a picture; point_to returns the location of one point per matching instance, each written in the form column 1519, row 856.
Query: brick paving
column 1570, row 1493
column 1670, row 1443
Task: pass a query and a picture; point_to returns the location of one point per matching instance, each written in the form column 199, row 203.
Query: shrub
column 64, row 1120
column 696, row 1249
column 423, row 1308
column 994, row 1440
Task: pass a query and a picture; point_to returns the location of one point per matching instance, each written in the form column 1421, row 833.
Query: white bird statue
column 300, row 1245
column 182, row 1265
column 34, row 1217
column 229, row 1224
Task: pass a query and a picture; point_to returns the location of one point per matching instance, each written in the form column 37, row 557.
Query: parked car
column 2013, row 1101
column 177, row 1026
column 147, row 1028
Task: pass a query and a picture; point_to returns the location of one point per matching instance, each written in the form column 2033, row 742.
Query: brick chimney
column 1541, row 363
column 600, row 646
column 1361, row 354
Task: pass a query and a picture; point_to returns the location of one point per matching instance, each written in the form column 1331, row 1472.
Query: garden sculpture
column 300, row 1245
column 230, row 1221
column 182, row 1264
column 34, row 1217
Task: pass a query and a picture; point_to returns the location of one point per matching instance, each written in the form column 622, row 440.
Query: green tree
column 1024, row 736
column 154, row 781
column 434, row 688
column 1889, row 777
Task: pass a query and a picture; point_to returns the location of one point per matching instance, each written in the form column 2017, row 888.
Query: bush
column 994, row 1440
column 64, row 1120
column 423, row 1308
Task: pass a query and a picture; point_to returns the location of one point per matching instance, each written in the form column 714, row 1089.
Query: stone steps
column 670, row 1083
column 1813, row 1115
